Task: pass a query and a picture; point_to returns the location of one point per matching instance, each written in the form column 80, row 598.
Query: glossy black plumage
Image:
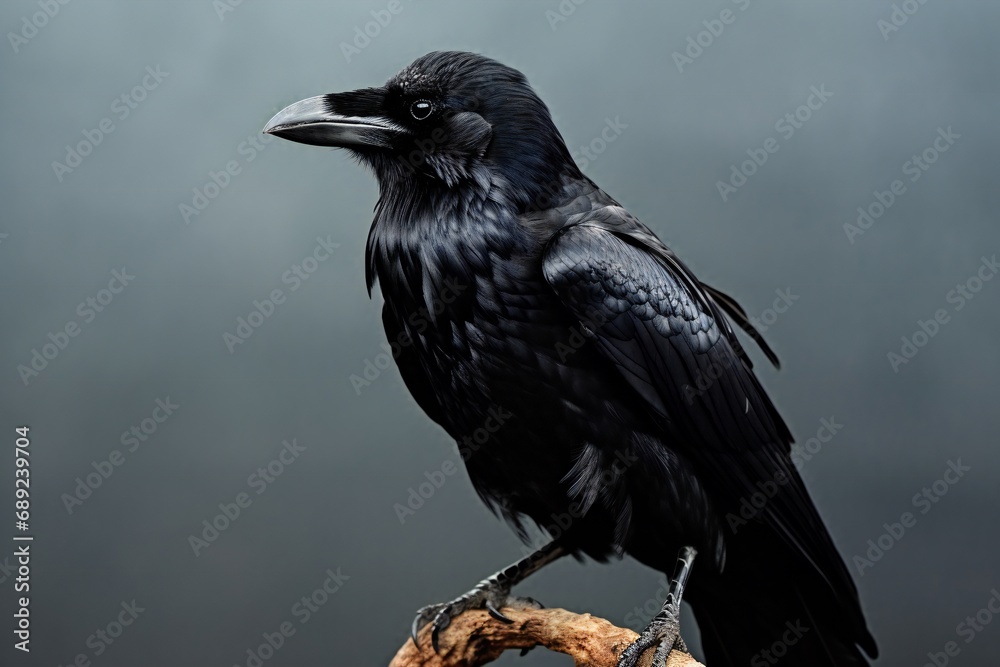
column 517, row 285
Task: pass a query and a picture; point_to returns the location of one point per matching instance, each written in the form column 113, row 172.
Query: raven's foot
column 664, row 631
column 490, row 594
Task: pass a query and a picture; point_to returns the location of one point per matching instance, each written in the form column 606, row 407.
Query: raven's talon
column 419, row 621
column 495, row 613
column 434, row 639
column 423, row 617
column 490, row 595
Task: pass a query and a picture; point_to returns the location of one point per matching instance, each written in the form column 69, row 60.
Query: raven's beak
column 344, row 120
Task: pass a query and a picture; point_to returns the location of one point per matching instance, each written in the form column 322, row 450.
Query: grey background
column 333, row 507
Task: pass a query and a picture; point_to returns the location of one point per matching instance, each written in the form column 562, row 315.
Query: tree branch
column 475, row 638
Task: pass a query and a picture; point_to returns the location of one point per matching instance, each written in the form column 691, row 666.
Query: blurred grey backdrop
column 134, row 176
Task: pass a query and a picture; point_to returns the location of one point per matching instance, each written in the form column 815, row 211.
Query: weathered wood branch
column 475, row 638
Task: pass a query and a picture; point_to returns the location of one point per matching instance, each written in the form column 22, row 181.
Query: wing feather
column 668, row 336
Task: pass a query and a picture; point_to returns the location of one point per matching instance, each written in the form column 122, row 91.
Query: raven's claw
column 489, row 594
column 495, row 613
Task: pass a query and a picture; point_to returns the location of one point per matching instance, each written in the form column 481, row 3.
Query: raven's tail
column 761, row 620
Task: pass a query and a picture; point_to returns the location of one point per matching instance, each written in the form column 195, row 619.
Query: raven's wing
column 668, row 337
column 663, row 331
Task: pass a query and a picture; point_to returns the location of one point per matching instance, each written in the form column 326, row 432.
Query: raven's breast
column 495, row 359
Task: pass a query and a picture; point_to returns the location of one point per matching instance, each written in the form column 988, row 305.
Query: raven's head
column 447, row 118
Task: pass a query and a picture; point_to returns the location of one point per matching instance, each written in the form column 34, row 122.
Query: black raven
column 514, row 286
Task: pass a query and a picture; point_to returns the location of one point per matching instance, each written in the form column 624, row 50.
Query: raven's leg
column 664, row 630
column 491, row 593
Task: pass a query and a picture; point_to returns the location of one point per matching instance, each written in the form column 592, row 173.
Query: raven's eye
column 421, row 109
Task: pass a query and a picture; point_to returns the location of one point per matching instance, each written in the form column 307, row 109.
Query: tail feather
column 777, row 618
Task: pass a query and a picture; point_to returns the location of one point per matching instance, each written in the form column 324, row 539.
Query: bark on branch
column 475, row 638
